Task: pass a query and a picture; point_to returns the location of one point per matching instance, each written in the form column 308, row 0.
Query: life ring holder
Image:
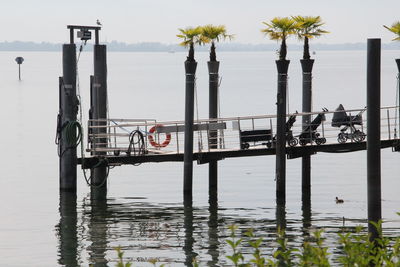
column 151, row 138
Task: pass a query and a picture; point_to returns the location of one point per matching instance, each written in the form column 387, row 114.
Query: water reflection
column 67, row 231
column 213, row 231
column 172, row 233
column 97, row 228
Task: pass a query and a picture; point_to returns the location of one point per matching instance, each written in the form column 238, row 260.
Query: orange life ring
column 151, row 138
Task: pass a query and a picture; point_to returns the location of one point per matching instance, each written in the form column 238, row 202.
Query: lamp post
column 19, row 61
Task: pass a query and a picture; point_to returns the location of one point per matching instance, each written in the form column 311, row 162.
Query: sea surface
column 144, row 212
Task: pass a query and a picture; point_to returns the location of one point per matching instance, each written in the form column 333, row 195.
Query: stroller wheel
column 244, row 146
column 342, row 138
column 302, row 142
column 293, row 142
column 318, row 141
column 323, row 139
column 358, row 136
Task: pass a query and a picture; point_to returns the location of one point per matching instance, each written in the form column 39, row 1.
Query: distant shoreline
column 160, row 47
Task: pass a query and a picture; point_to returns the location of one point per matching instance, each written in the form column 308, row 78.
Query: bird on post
column 98, row 22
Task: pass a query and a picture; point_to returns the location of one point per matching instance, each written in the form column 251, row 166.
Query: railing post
column 282, row 66
column 373, row 135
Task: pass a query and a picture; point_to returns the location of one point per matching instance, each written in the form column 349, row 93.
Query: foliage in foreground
column 355, row 249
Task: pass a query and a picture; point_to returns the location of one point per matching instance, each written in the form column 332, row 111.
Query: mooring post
column 190, row 70
column 99, row 109
column 306, row 65
column 213, row 68
column 67, row 114
column 282, row 66
column 374, row 135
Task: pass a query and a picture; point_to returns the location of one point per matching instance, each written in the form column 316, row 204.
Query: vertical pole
column 306, row 65
column 398, row 92
column 282, row 66
column 213, row 67
column 68, row 112
column 99, row 109
column 19, row 71
column 190, row 70
column 373, row 135
column 67, row 230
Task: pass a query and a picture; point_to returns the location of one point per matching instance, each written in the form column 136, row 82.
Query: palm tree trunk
column 213, row 55
column 306, row 52
column 283, row 51
column 190, row 56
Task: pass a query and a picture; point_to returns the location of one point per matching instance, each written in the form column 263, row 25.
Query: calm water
column 143, row 212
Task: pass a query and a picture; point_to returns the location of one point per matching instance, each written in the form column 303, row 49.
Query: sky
column 133, row 21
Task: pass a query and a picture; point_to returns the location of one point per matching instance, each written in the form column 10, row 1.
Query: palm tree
column 308, row 27
column 280, row 29
column 395, row 29
column 214, row 34
column 190, row 37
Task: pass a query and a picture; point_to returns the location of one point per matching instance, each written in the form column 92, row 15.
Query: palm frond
column 395, row 28
column 190, row 35
column 215, row 33
column 279, row 28
column 309, row 26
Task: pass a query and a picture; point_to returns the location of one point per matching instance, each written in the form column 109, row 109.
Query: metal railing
column 247, row 132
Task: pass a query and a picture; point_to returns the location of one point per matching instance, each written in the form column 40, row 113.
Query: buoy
column 151, row 138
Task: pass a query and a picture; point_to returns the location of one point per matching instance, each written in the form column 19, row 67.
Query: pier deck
column 142, row 141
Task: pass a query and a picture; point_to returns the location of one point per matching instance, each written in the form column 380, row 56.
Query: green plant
column 120, row 262
column 191, row 36
column 308, row 27
column 214, row 34
column 395, row 28
column 280, row 29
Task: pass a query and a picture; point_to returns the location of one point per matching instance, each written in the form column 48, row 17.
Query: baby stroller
column 348, row 123
column 290, row 139
column 310, row 134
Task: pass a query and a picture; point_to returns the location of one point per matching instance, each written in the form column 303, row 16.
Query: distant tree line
column 161, row 47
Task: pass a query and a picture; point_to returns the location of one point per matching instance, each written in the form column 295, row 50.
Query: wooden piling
column 68, row 113
column 306, row 65
column 190, row 70
column 282, row 66
column 213, row 67
column 373, row 135
column 99, row 108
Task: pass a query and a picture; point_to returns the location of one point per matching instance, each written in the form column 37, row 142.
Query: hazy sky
column 158, row 20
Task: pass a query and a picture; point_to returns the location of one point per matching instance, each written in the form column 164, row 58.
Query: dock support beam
column 213, row 67
column 190, row 70
column 99, row 109
column 373, row 135
column 67, row 113
column 282, row 66
column 306, row 65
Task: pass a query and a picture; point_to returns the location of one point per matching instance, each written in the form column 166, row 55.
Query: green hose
column 73, row 133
